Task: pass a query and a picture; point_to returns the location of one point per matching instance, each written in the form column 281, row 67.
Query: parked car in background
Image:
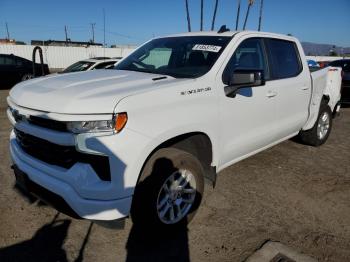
column 323, row 64
column 92, row 64
column 313, row 65
column 345, row 65
column 14, row 69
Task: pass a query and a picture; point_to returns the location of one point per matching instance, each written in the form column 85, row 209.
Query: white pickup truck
column 141, row 139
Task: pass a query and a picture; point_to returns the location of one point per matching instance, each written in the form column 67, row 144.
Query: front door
column 247, row 120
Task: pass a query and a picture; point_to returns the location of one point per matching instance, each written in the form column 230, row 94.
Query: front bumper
column 84, row 208
column 79, row 184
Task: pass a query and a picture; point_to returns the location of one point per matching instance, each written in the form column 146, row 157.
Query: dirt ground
column 291, row 193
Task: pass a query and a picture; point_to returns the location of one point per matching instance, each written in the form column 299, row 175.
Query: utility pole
column 238, row 12
column 93, row 31
column 104, row 33
column 188, row 17
column 7, row 30
column 66, row 33
column 214, row 15
column 261, row 11
column 250, row 3
column 202, row 14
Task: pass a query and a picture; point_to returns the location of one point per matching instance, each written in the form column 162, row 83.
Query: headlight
column 90, row 126
column 116, row 124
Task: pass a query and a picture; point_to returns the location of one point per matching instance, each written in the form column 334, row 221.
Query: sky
column 136, row 21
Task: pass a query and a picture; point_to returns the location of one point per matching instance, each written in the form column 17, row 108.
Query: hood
column 91, row 92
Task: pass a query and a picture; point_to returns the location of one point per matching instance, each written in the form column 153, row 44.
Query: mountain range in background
column 324, row 49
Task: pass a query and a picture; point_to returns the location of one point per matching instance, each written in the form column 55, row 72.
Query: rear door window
column 284, row 58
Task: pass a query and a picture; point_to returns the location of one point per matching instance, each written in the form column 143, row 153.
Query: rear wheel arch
column 310, row 136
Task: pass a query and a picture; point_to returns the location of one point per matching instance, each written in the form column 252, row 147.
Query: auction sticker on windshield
column 208, row 48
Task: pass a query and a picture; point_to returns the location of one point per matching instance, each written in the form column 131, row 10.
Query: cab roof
column 232, row 33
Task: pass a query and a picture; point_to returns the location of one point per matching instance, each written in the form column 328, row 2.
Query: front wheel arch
column 197, row 144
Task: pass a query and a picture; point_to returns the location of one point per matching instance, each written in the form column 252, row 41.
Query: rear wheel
column 169, row 191
column 319, row 133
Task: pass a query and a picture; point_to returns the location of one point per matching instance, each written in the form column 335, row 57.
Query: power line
column 119, row 34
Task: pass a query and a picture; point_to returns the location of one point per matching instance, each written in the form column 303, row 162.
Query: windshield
column 78, row 66
column 183, row 57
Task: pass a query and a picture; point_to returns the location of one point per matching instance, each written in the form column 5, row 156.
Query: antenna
column 93, row 32
column 238, row 12
column 214, row 15
column 202, row 15
column 188, row 17
column 7, row 30
column 260, row 16
column 223, row 29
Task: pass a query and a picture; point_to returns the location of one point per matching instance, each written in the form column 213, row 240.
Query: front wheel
column 319, row 133
column 169, row 191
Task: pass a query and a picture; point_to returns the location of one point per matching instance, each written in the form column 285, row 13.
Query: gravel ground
column 291, row 193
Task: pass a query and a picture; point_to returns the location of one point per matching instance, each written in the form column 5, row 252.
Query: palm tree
column 214, row 15
column 238, row 12
column 188, row 17
column 202, row 14
column 250, row 3
column 260, row 16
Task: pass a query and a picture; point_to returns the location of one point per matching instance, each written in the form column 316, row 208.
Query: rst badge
column 195, row 91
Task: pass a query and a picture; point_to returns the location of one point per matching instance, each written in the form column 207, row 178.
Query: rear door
column 291, row 82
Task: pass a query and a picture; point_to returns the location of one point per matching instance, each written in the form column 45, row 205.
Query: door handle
column 305, row 87
column 271, row 93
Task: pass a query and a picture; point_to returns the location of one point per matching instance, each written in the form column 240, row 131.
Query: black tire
column 310, row 137
column 26, row 77
column 160, row 166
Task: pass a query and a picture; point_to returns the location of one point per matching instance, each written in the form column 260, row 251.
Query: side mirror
column 244, row 78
